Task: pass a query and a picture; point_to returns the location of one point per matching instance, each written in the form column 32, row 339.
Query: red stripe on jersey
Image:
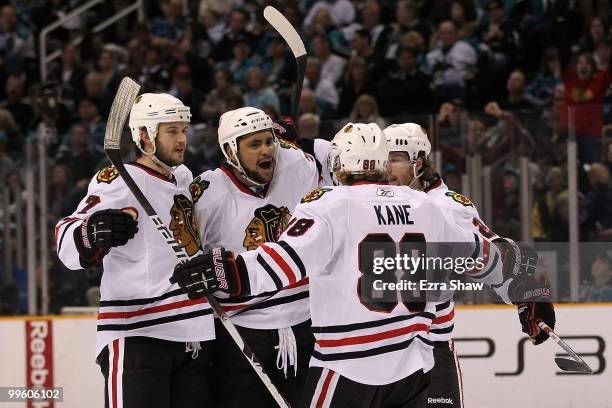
column 445, row 318
column 280, row 262
column 240, row 185
column 486, row 251
column 149, row 310
column 64, row 222
column 369, row 338
column 435, row 185
column 324, row 389
column 114, row 377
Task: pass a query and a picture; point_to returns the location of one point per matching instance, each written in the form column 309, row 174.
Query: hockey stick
column 565, row 364
column 292, row 38
column 126, row 94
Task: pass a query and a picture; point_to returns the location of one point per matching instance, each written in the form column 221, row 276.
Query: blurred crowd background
column 502, row 80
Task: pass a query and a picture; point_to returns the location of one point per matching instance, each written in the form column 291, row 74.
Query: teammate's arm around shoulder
column 305, row 248
column 102, row 220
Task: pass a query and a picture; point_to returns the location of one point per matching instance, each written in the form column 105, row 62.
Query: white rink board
column 538, row 385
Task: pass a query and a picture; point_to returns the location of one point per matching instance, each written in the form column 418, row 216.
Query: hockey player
column 243, row 204
column 410, row 165
column 367, row 353
column 152, row 340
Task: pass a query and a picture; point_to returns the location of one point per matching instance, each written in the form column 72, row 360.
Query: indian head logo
column 183, row 225
column 107, row 174
column 267, row 226
column 197, row 187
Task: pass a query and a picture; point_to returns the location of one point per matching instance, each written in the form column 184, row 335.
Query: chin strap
column 415, row 176
column 155, row 159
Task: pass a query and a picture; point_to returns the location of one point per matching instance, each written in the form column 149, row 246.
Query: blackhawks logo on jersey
column 107, row 174
column 183, row 226
column 460, row 198
column 285, row 144
column 267, row 225
column 315, row 194
column 197, row 187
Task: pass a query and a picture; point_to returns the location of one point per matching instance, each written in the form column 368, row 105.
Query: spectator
column 259, row 94
column 236, row 29
column 584, row 94
column 597, row 32
column 602, row 53
column 452, row 63
column 371, row 21
column 463, row 13
column 545, row 209
column 241, row 61
column 154, row 75
column 69, row 73
column 16, row 41
column 97, row 94
column 107, row 67
column 308, row 126
column 327, row 96
column 166, row 31
column 596, row 212
column 506, row 212
column 220, row 7
column 451, row 121
column 406, row 89
column 182, row 88
column 365, row 110
column 78, row 154
column 322, row 23
column 21, row 111
column 59, row 188
column 342, row 12
column 600, row 289
column 356, row 82
column 212, row 24
column 332, row 66
column 214, row 104
column 542, row 87
column 203, row 152
column 407, row 19
column 91, row 121
column 8, row 125
column 279, row 64
column 308, row 103
column 516, row 100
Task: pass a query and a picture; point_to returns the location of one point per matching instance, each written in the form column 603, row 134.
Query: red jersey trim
column 445, row 318
column 239, row 184
column 280, row 262
column 370, row 338
column 154, row 173
column 433, row 186
column 149, row 310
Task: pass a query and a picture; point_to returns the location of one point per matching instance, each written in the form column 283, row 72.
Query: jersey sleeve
column 106, row 191
column 304, row 249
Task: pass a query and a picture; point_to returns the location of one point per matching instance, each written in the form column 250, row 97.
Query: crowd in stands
column 498, row 78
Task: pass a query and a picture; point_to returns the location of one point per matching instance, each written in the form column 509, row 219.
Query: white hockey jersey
column 137, row 297
column 464, row 213
column 368, row 343
column 229, row 214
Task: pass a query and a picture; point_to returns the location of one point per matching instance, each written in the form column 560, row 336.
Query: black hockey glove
column 285, row 129
column 205, row 274
column 101, row 231
column 534, row 305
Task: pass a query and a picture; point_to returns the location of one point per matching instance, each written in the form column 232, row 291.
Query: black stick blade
column 567, row 364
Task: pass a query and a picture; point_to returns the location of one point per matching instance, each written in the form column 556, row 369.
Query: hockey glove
column 534, row 305
column 285, row 129
column 101, row 231
column 205, row 274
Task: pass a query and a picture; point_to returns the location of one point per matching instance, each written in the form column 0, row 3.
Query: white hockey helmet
column 409, row 138
column 238, row 123
column 151, row 109
column 358, row 148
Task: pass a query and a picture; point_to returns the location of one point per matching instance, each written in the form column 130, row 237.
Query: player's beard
column 166, row 157
column 255, row 176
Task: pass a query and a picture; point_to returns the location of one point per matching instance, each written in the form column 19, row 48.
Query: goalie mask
column 238, row 123
column 359, row 148
column 148, row 111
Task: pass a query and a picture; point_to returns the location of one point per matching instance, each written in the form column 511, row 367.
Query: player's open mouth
column 265, row 164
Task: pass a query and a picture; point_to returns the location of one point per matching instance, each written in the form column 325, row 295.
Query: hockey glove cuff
column 534, row 305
